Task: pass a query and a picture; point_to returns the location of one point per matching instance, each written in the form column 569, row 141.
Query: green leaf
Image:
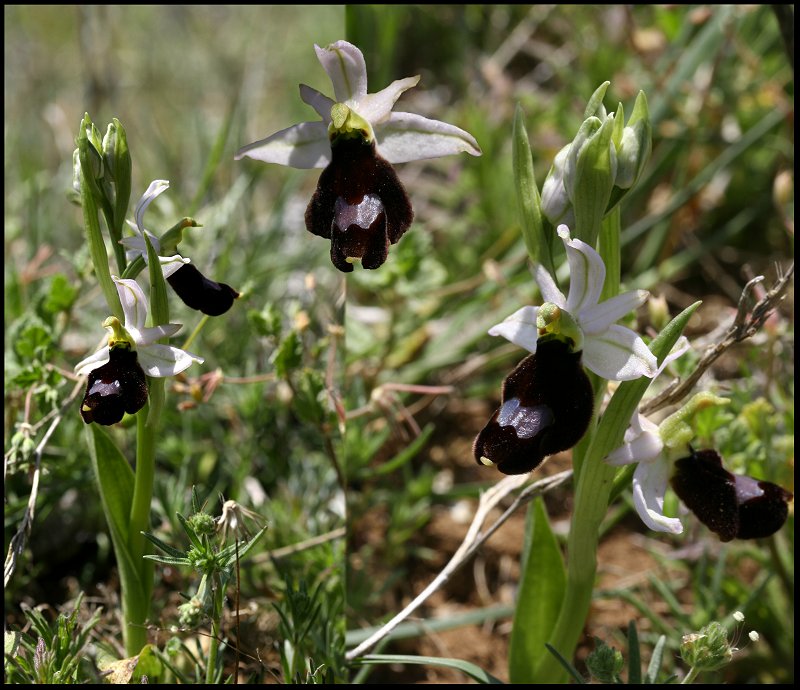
column 539, row 599
column 528, row 197
column 166, row 548
column 114, row 476
column 634, row 655
column 615, row 420
column 61, row 296
column 655, row 661
column 159, row 306
column 473, row 671
column 568, row 667
column 116, row 482
column 288, row 355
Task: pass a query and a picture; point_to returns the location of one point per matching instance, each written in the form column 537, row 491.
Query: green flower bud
column 633, row 150
column 203, row 524
column 190, row 614
column 707, row 650
column 117, row 160
column 590, row 173
column 675, row 430
column 604, row 662
column 556, row 205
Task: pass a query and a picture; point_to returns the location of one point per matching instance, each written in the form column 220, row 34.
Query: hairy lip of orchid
column 611, row 351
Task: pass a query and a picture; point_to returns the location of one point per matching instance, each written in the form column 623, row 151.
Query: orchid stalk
column 127, row 374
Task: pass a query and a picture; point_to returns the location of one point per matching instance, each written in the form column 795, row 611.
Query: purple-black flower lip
column 733, row 506
column 117, row 387
column 546, row 407
column 359, row 204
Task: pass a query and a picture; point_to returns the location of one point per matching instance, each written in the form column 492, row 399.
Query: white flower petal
column 548, row 287
column 300, row 146
column 148, row 336
column 587, row 273
column 165, row 360
column 319, row 101
column 599, row 317
column 649, row 486
column 377, row 107
column 555, row 200
column 345, row 65
column 680, row 347
column 619, row 355
column 642, row 443
column 408, row 137
column 92, row 362
column 134, row 303
column 520, row 328
column 156, row 187
column 170, row 264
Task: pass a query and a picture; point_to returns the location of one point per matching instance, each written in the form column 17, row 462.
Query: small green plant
column 51, row 653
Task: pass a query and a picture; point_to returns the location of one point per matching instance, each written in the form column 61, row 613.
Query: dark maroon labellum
column 359, row 204
column 201, row 293
column 546, row 408
column 117, row 387
column 733, row 506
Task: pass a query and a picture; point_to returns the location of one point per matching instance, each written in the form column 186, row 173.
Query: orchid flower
column 734, row 506
column 196, row 291
column 645, row 444
column 611, row 351
column 359, row 203
column 136, row 245
column 117, row 371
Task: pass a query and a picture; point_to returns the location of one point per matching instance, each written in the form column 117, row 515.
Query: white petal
column 170, row 264
column 587, row 273
column 554, row 199
column 548, row 287
column 345, row 65
column 134, row 303
column 520, row 328
column 92, row 362
column 649, row 485
column 376, row 107
column 619, row 355
column 642, row 443
column 680, row 347
column 599, row 317
column 319, row 101
column 300, row 146
column 156, row 187
column 165, row 360
column 148, row 336
column 407, row 137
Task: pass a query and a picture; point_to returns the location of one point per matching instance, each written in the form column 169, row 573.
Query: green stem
column 136, row 604
column 693, row 673
column 594, row 484
column 216, row 632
